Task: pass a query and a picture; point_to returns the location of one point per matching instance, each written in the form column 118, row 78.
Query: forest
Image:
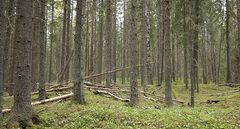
column 119, row 64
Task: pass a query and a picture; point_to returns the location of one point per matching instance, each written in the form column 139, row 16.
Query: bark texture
column 79, row 54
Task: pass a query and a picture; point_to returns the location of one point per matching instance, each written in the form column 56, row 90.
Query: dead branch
column 102, row 92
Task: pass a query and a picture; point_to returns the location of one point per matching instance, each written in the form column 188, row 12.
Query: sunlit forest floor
column 105, row 112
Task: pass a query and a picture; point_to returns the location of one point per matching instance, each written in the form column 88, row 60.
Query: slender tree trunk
column 2, row 37
column 173, row 58
column 133, row 53
column 185, row 45
column 22, row 108
column 114, row 40
column 42, row 91
column 168, row 54
column 125, row 41
column 63, row 46
column 35, row 46
column 79, row 54
column 238, row 17
column 87, row 41
column 51, row 44
column 159, row 41
column 100, row 46
column 194, row 69
column 204, row 59
column 108, row 51
column 149, row 65
column 143, row 44
column 229, row 74
column 68, row 42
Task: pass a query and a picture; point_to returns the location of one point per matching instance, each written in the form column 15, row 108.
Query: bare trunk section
column 238, row 17
column 108, row 51
column 35, row 46
column 2, row 45
column 22, row 109
column 114, row 61
column 133, row 55
column 143, row 44
column 42, row 58
column 68, row 41
column 51, row 44
column 229, row 74
column 168, row 54
column 79, row 54
column 100, row 46
column 63, row 45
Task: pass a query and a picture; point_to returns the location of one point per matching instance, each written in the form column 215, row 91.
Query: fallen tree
column 44, row 101
column 225, row 93
column 102, row 92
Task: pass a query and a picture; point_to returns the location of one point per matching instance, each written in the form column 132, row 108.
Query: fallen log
column 225, row 93
column 44, row 101
column 174, row 100
column 152, row 99
column 100, row 92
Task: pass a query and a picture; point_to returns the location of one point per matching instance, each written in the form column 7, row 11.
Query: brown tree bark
column 42, row 57
column 2, row 43
column 79, row 54
column 22, row 109
column 108, row 50
column 238, row 18
column 229, row 74
column 133, row 55
column 168, row 54
column 51, row 43
column 100, row 45
column 63, row 45
column 68, row 40
column 35, row 46
column 114, row 50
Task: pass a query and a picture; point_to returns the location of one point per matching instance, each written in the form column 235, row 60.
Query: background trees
column 153, row 42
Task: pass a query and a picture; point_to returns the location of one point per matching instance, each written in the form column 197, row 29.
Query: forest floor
column 107, row 113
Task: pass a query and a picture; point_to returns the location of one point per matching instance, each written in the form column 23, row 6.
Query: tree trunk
column 2, row 40
column 229, row 74
column 143, row 43
column 42, row 91
column 149, row 65
column 159, row 41
column 133, row 55
column 63, row 46
column 238, row 17
column 185, row 45
column 35, row 46
column 125, row 41
column 22, row 109
column 114, row 40
column 100, row 46
column 168, row 54
column 9, row 40
column 51, row 44
column 108, row 51
column 79, row 54
column 68, row 42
